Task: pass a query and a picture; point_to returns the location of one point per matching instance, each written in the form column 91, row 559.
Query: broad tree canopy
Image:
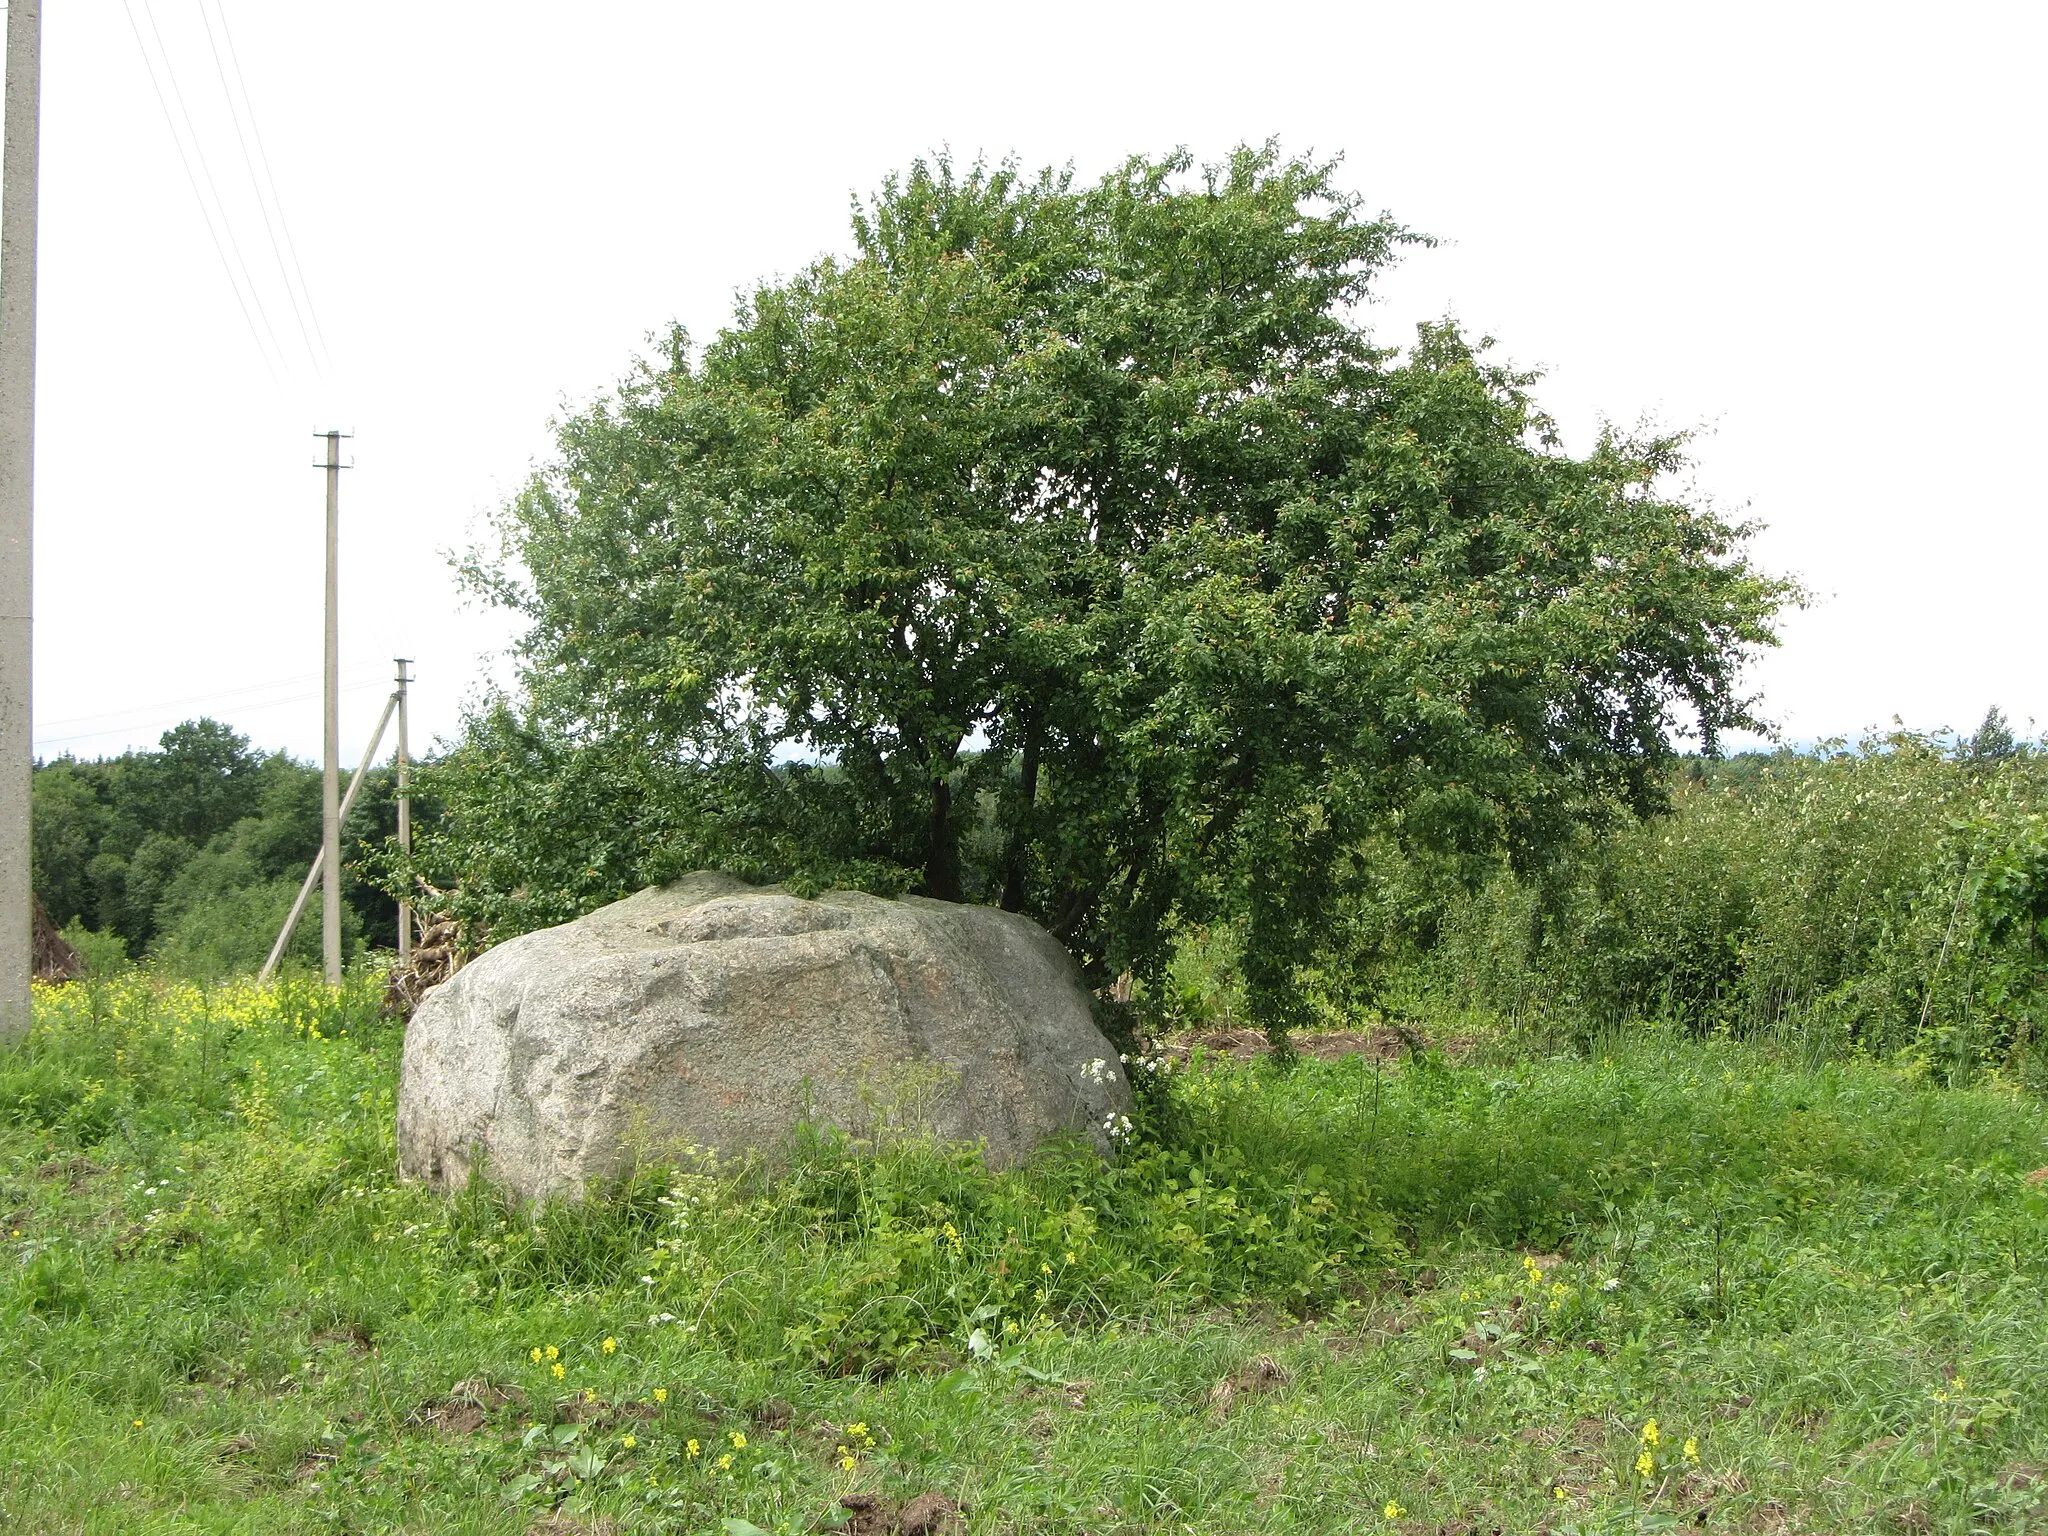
column 1076, row 548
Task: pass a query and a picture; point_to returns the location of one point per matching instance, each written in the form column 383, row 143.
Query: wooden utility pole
column 17, row 501
column 404, row 816
column 330, row 767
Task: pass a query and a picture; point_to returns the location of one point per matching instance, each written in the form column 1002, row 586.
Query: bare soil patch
column 1383, row 1043
column 929, row 1514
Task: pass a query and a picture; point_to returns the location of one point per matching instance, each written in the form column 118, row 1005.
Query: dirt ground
column 1383, row 1042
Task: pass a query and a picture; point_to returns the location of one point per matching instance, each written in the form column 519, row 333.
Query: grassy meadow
column 1639, row 1281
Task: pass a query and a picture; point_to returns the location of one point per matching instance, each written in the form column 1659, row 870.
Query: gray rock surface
column 716, row 1014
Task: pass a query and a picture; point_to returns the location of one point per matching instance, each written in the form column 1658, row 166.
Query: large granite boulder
column 716, row 1014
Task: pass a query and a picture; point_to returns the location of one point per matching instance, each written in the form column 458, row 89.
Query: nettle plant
column 2009, row 908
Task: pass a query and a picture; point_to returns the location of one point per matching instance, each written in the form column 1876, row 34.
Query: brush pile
column 53, row 958
column 436, row 956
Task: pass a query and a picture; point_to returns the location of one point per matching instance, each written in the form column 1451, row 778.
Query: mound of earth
column 719, row 1015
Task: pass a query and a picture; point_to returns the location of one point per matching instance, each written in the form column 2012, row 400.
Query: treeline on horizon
column 189, row 856
column 1891, row 895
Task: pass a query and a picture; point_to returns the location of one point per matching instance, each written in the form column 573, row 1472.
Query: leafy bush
column 104, row 953
column 1891, row 898
column 227, row 931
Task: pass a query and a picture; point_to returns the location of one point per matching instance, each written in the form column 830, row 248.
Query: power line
column 146, row 721
column 263, row 154
column 199, row 150
column 219, row 696
column 270, row 226
column 205, row 213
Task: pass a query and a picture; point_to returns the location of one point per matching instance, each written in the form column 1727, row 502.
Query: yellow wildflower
column 138, row 1423
column 1650, row 1432
column 691, row 1448
column 554, row 1353
column 1393, row 1511
column 1692, row 1449
column 534, row 1354
column 610, row 1345
column 557, row 1370
column 847, row 1463
column 1646, row 1464
column 1558, row 1492
column 739, row 1441
column 629, row 1442
column 725, row 1462
column 858, row 1429
column 661, row 1394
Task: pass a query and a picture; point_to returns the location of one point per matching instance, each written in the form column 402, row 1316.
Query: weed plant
column 1892, row 899
column 1666, row 1281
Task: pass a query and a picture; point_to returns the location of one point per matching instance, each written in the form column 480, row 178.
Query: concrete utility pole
column 330, row 767
column 404, row 814
column 17, row 500
column 291, row 922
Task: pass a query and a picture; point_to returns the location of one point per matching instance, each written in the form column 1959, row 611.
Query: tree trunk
column 1027, row 797
column 941, row 876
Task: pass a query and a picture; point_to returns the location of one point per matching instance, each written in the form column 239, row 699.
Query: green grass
column 1298, row 1298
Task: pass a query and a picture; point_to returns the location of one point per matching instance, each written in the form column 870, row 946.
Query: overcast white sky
column 1814, row 231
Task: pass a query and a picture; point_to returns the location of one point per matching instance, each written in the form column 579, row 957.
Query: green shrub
column 228, row 932
column 1888, row 899
column 104, row 953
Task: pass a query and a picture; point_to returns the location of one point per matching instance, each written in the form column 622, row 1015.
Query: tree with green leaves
column 191, row 854
column 1077, row 548
column 1993, row 740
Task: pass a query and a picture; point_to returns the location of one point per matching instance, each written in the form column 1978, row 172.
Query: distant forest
column 190, row 855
